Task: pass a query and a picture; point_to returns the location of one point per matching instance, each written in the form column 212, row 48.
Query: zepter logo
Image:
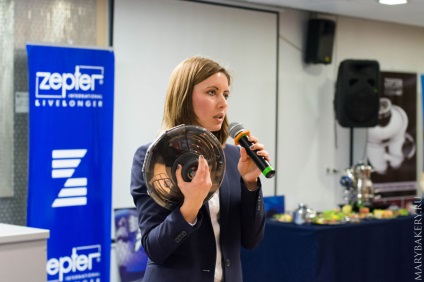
column 56, row 85
column 78, row 89
column 82, row 259
column 183, row 145
column 74, row 190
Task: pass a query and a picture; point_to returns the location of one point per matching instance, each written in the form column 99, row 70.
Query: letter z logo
column 74, row 192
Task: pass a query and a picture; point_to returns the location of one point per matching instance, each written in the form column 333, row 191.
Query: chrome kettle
column 303, row 214
column 359, row 188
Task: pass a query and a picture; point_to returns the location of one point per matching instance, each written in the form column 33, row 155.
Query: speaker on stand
column 357, row 96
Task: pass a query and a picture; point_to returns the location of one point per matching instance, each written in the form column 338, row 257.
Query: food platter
column 346, row 215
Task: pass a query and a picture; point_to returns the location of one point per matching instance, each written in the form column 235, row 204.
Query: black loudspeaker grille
column 319, row 41
column 357, row 95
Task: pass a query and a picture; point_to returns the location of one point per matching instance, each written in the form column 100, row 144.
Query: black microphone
column 239, row 134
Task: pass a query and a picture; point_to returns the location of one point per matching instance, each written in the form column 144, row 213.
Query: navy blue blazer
column 180, row 252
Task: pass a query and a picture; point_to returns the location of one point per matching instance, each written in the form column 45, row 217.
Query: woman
column 200, row 241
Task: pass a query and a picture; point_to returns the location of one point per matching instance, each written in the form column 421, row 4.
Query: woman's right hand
column 196, row 191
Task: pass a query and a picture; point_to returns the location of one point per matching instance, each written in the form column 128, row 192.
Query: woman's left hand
column 247, row 168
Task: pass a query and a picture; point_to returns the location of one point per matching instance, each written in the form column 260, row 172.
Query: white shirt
column 214, row 212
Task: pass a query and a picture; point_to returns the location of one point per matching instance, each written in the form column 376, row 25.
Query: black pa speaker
column 319, row 41
column 357, row 98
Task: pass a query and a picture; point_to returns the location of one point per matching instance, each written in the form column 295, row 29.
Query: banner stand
column 71, row 96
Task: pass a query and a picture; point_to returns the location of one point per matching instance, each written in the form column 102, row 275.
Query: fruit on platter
column 402, row 212
column 379, row 213
column 330, row 217
column 347, row 209
column 283, row 217
column 364, row 210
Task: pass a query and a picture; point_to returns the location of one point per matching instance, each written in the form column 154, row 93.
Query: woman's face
column 210, row 101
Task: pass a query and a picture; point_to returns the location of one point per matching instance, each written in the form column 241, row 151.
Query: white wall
column 305, row 118
column 310, row 142
column 168, row 32
column 307, row 127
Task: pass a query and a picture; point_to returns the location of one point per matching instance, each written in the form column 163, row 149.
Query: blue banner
column 70, row 158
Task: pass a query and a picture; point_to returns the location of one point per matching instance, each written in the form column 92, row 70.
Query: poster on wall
column 130, row 255
column 391, row 145
column 70, row 158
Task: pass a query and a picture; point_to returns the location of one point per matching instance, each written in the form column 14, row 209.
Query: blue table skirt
column 373, row 250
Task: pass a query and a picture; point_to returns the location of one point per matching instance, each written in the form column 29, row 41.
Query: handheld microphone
column 239, row 134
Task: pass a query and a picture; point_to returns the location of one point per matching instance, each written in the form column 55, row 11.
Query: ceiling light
column 393, row 2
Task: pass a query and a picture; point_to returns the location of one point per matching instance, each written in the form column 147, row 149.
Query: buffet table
column 372, row 250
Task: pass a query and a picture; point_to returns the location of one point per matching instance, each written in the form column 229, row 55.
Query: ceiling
column 410, row 14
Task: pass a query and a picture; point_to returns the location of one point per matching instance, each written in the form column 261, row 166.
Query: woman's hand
column 246, row 166
column 196, row 191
